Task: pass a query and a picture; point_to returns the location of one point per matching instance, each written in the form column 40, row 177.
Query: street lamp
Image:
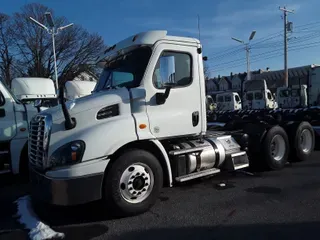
column 247, row 48
column 52, row 31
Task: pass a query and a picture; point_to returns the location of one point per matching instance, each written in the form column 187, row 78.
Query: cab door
column 173, row 91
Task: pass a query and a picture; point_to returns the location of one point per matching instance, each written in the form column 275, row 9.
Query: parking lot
column 280, row 204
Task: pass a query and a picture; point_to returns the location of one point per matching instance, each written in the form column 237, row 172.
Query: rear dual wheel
column 302, row 141
column 294, row 145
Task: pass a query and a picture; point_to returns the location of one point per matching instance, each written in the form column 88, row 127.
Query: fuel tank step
column 236, row 161
column 186, row 151
column 195, row 175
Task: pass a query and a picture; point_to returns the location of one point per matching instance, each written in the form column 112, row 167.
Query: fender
column 257, row 133
column 166, row 159
column 16, row 147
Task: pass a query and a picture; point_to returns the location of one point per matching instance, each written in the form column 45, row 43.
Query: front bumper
column 65, row 191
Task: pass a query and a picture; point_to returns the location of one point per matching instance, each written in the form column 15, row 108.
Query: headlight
column 68, row 154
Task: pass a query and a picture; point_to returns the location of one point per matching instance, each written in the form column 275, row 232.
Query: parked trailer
column 143, row 127
column 289, row 119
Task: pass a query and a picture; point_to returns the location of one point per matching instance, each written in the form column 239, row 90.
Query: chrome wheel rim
column 278, row 147
column 306, row 140
column 136, row 183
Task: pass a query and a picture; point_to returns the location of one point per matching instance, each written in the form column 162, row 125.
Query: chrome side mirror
column 37, row 103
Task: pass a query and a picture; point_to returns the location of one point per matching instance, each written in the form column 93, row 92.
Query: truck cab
column 258, row 96
column 16, row 110
column 292, row 97
column 228, row 101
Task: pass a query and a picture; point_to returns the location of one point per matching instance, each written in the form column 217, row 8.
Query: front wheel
column 132, row 185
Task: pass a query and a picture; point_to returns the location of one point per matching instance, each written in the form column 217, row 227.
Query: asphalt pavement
column 277, row 204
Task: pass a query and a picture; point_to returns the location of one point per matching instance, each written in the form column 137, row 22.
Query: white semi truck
column 295, row 96
column 143, row 127
column 16, row 110
column 258, row 96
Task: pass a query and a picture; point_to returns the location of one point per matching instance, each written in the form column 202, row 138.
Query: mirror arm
column 167, row 92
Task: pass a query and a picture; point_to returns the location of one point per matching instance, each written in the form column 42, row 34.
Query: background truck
column 228, row 101
column 15, row 113
column 295, row 96
column 258, row 96
column 145, row 127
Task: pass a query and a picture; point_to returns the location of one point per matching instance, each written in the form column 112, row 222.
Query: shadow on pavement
column 81, row 214
column 82, row 232
column 255, row 232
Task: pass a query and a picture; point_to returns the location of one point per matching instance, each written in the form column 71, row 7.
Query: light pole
column 52, row 31
column 247, row 48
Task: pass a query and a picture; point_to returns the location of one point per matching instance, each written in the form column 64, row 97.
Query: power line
column 267, row 56
column 233, row 50
column 298, row 39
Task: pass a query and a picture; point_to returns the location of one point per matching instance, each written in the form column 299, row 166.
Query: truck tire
column 275, row 147
column 132, row 184
column 302, row 141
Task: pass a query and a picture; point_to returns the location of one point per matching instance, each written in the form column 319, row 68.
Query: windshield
column 11, row 93
column 249, row 96
column 125, row 71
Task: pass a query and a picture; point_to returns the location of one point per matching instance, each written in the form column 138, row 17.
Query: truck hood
column 95, row 100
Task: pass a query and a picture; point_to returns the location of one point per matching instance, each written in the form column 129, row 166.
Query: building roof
column 278, row 74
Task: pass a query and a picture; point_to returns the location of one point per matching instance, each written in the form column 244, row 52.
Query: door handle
column 2, row 113
column 195, row 118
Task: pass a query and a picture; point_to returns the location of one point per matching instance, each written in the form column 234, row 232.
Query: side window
column 174, row 68
column 284, row 93
column 237, row 98
column 249, row 96
column 258, row 96
column 220, row 99
column 269, row 96
column 2, row 99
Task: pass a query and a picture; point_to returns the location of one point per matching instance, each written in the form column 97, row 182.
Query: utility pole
column 285, row 20
column 248, row 61
column 247, row 48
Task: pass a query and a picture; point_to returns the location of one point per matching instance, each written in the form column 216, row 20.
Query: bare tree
column 75, row 47
column 206, row 71
column 6, row 49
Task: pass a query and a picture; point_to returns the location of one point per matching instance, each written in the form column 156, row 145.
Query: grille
column 39, row 134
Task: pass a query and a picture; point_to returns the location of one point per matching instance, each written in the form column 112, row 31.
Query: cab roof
column 148, row 38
